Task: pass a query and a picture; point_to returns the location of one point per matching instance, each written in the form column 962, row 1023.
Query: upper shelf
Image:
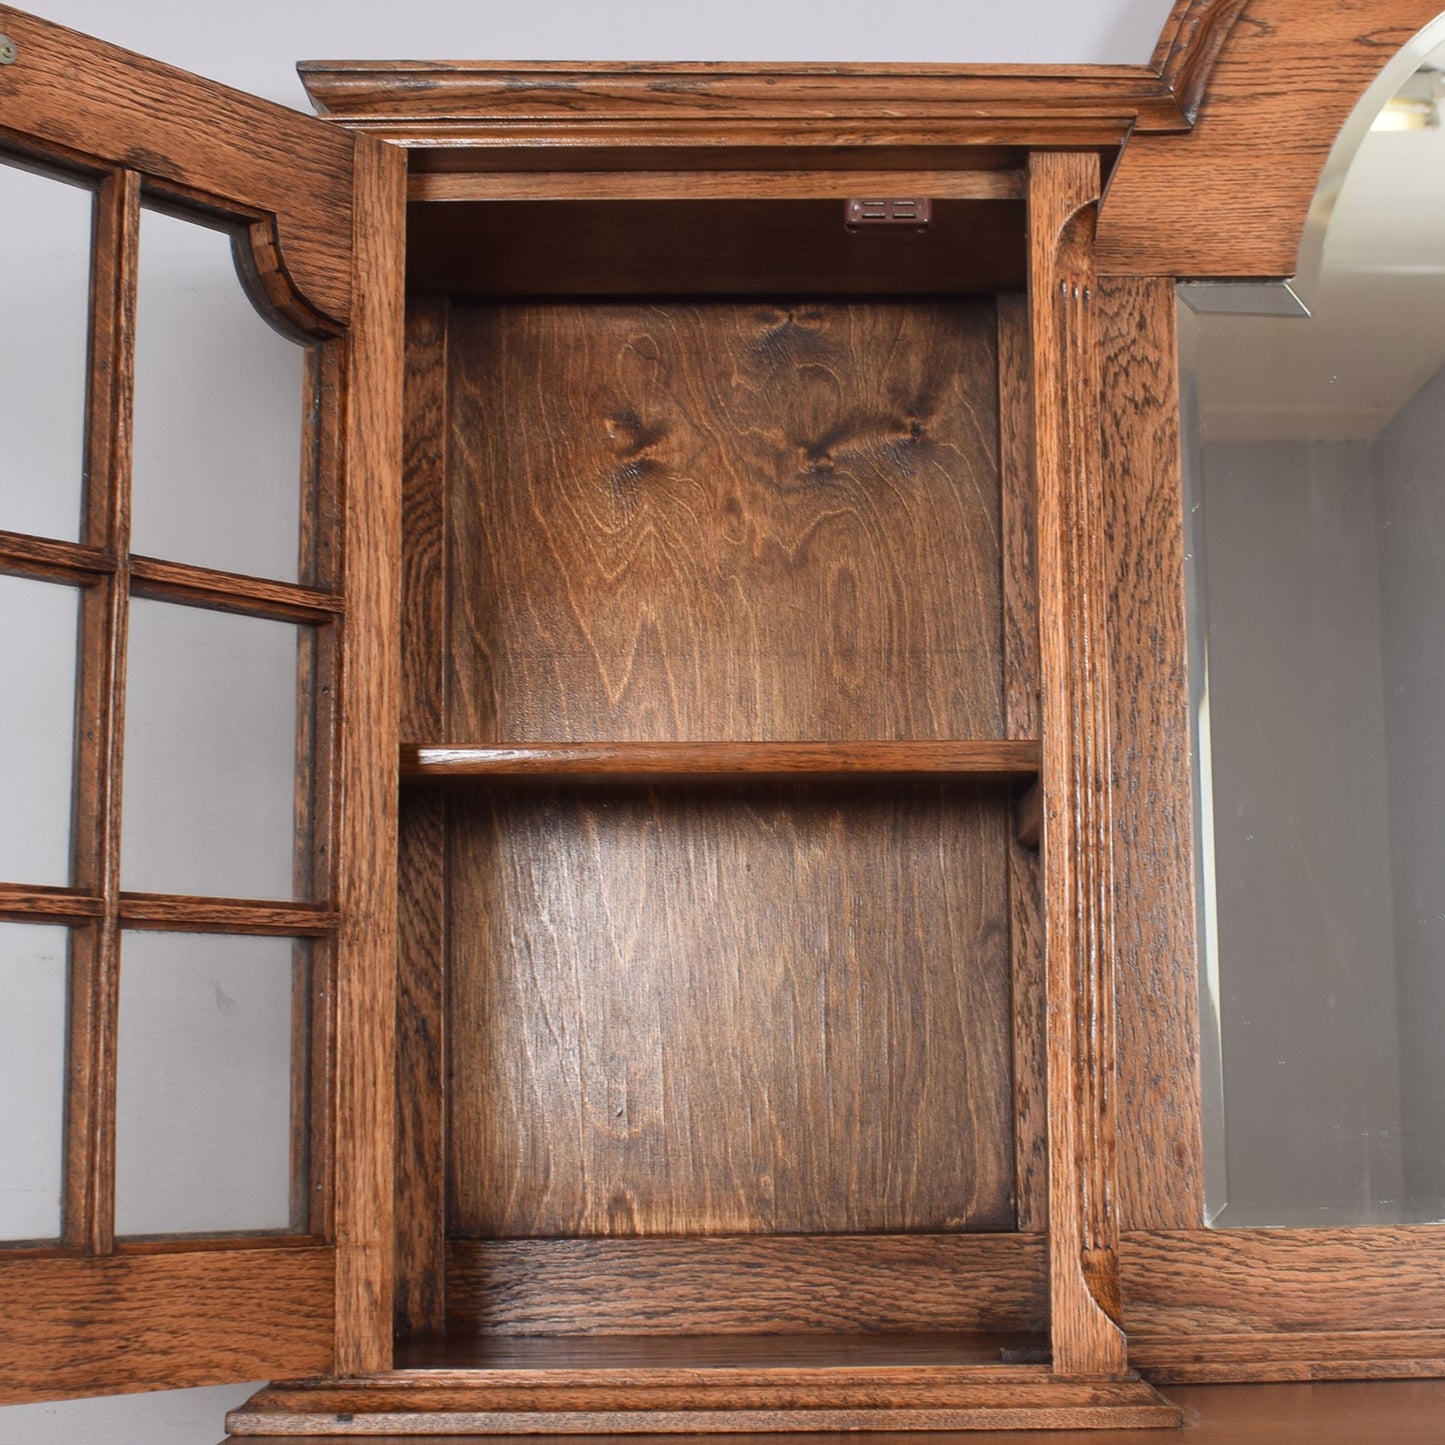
column 993, row 760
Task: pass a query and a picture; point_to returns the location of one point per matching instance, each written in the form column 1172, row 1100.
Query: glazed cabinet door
column 199, row 383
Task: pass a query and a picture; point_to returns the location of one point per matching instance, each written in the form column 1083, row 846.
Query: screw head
column 8, row 52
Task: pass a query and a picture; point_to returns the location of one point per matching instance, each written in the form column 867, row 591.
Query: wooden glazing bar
column 960, row 185
column 228, row 592
column 365, row 985
column 89, row 1197
column 225, row 915
column 24, row 556
column 1078, row 898
column 991, row 760
column 60, row 905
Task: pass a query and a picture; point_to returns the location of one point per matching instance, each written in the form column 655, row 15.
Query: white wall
column 254, row 47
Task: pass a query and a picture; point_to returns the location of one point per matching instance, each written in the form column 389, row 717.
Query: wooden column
column 1075, row 711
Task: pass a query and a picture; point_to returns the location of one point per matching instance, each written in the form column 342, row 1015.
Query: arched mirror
column 1314, row 463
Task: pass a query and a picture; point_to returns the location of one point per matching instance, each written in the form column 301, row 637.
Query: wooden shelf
column 988, row 760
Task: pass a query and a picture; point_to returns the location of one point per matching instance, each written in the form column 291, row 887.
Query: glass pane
column 39, row 624
column 218, row 411
column 211, row 1058
column 1316, row 475
column 33, row 991
column 213, row 803
column 45, row 229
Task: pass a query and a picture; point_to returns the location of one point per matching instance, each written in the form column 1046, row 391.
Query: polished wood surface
column 780, row 1284
column 724, row 521
column 421, row 1035
column 1402, row 1413
column 1231, row 198
column 111, row 107
column 1077, row 878
column 364, row 1158
column 1160, row 1178
column 773, row 1010
column 987, row 761
column 77, row 1326
column 693, row 247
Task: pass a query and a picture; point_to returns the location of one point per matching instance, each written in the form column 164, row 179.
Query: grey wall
column 1301, row 815
column 255, row 46
column 1410, row 471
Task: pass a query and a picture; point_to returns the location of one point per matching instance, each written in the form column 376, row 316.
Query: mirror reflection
column 1315, row 489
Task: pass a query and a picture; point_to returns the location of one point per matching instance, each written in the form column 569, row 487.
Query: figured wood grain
column 1405, row 1413
column 421, row 896
column 1018, row 498
column 1310, row 1355
column 1183, row 1283
column 365, row 986
column 1160, row 1178
column 964, row 1397
column 125, row 110
column 988, row 761
column 1231, row 198
column 1078, row 897
column 724, row 521
column 144, row 1322
column 699, row 247
column 744, row 1285
column 981, row 185
column 776, row 1010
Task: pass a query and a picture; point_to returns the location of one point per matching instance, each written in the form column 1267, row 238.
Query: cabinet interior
column 729, row 1007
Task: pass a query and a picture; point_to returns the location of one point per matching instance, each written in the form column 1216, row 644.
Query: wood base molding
column 639, row 1401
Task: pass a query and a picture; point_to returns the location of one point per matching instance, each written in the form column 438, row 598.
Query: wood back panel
column 732, row 520
column 695, row 1011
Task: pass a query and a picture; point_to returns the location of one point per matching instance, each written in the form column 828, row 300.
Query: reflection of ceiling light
column 1402, row 113
column 1416, row 107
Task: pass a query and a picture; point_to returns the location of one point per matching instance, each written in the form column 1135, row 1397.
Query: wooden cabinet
column 763, row 995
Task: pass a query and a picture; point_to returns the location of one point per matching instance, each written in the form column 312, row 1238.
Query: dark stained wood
column 962, row 1397
column 1189, row 46
column 791, row 107
column 724, row 521
column 227, row 592
column 1074, row 717
column 225, row 915
column 591, row 185
column 23, row 903
column 1018, row 502
column 752, row 1352
column 701, row 247
column 1160, row 1160
column 1029, row 818
column 772, row 1011
column 1205, row 1283
column 124, row 110
column 421, row 979
column 144, row 1322
column 365, row 984
column 1404, row 1413
column 989, row 761
column 89, row 1190
column 745, row 1284
column 1309, row 1355
column 1231, row 198
column 25, row 556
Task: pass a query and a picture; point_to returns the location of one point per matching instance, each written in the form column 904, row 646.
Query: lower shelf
column 732, row 1384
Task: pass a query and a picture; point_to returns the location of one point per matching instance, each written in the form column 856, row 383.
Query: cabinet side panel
column 701, row 1011
column 420, row 1036
column 1160, row 1153
column 725, row 520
